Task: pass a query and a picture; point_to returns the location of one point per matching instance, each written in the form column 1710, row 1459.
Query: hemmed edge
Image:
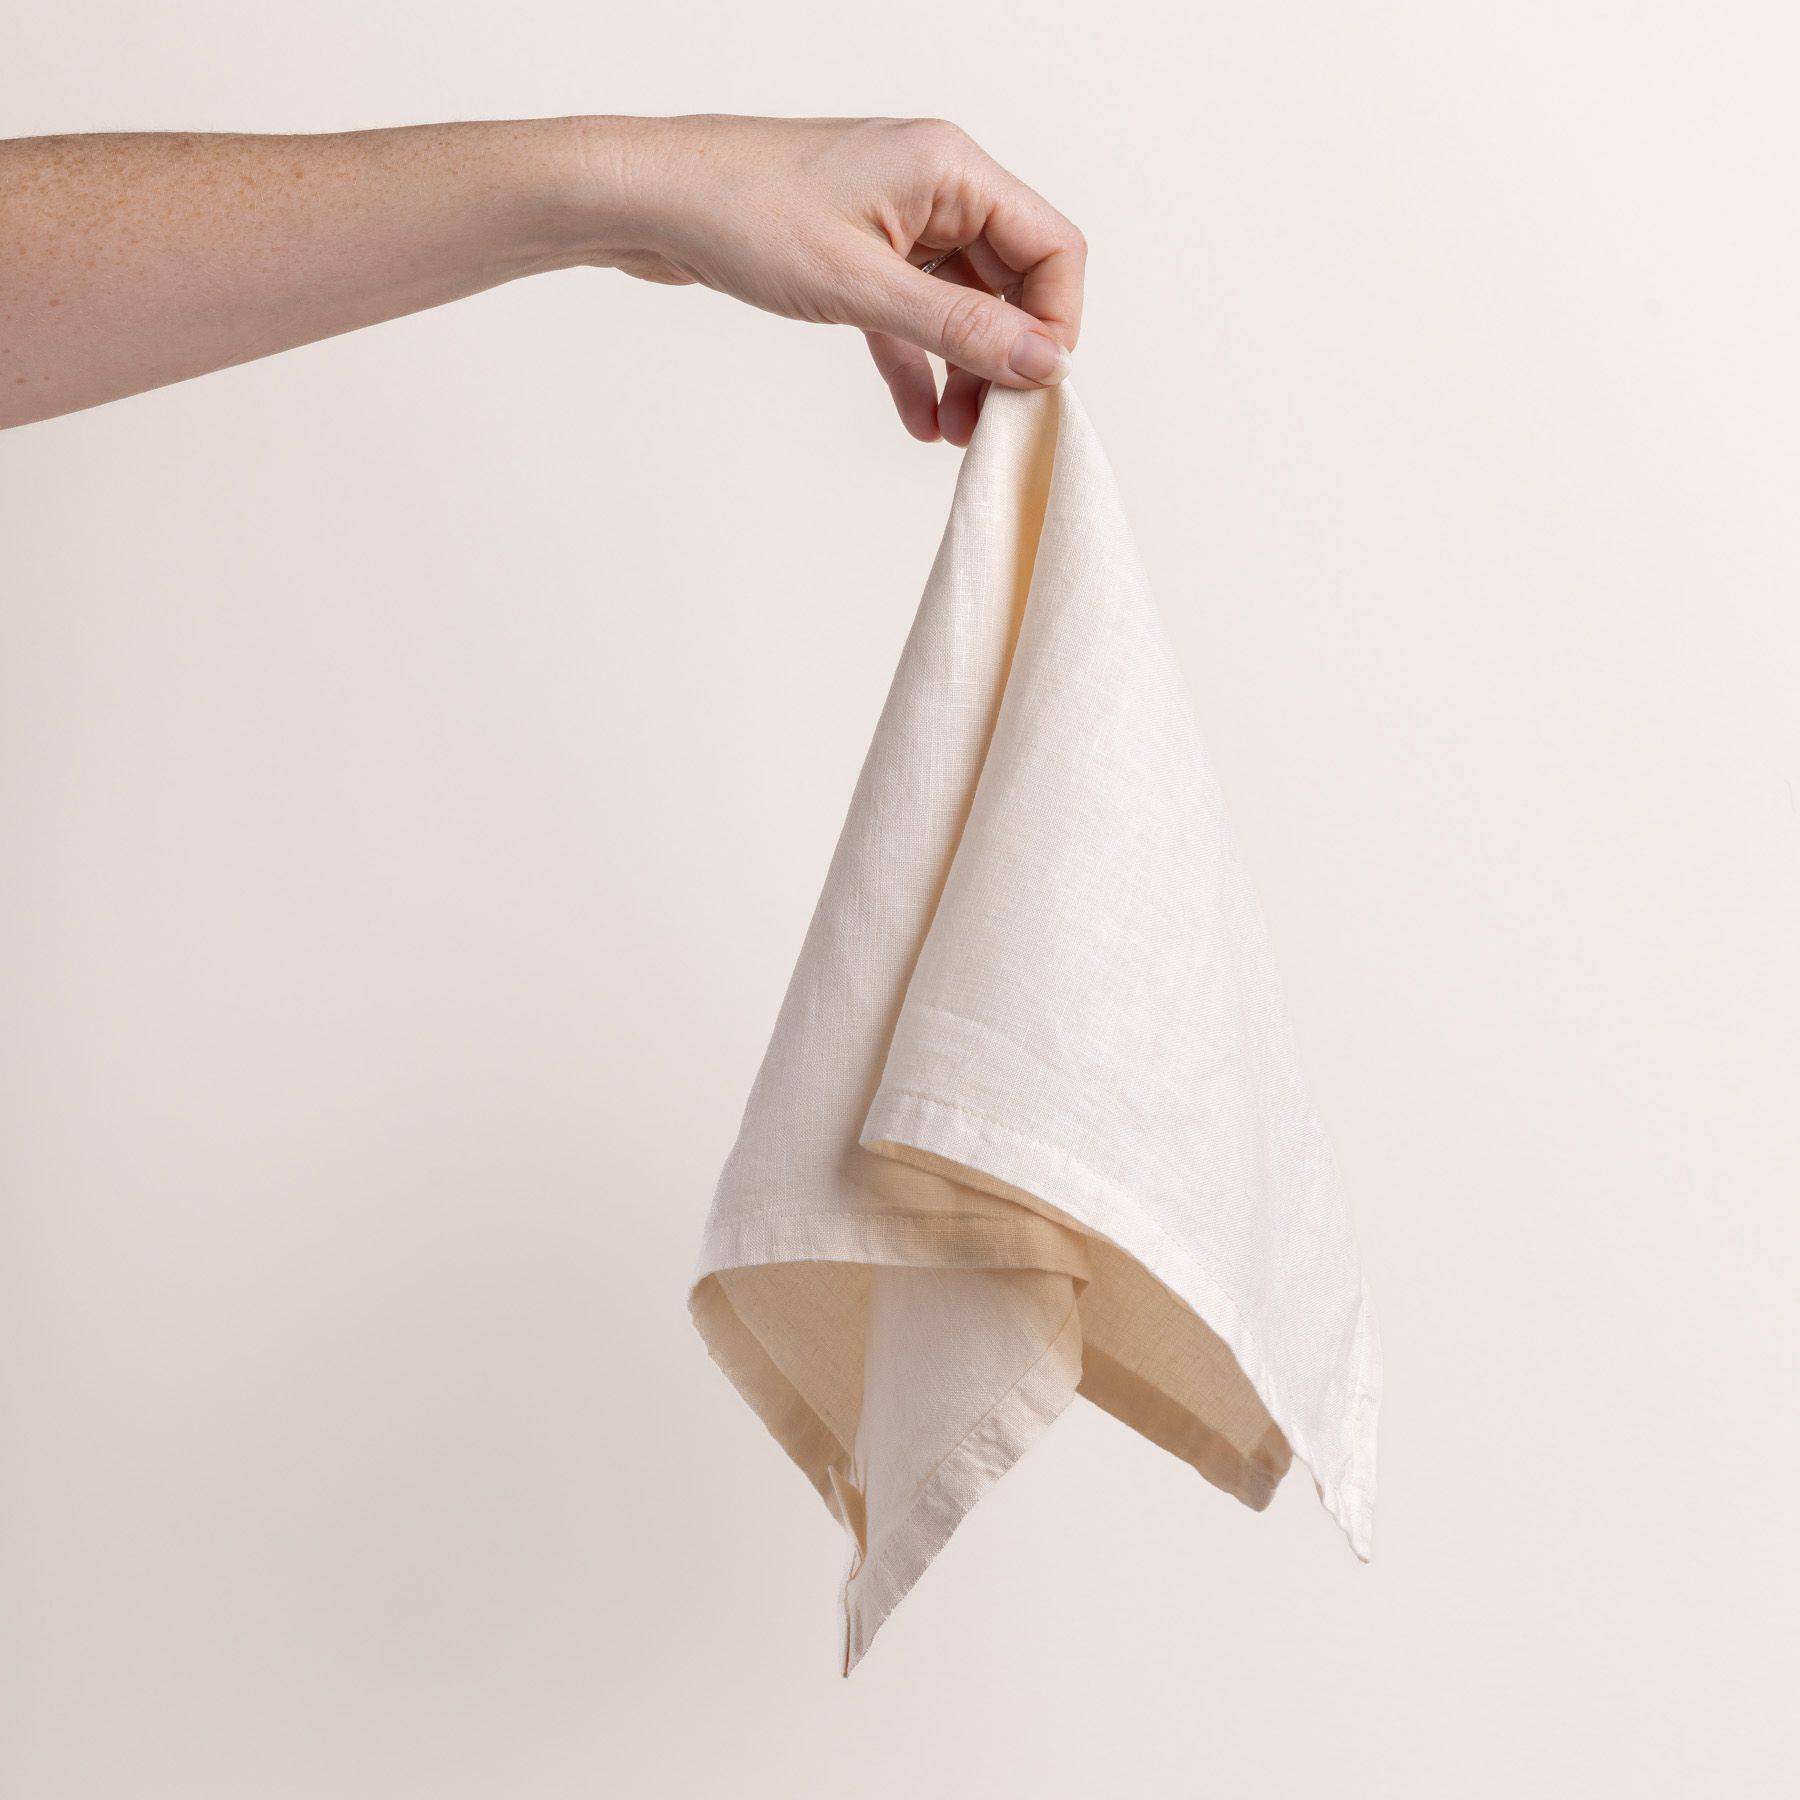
column 873, row 1587
column 1345, row 1483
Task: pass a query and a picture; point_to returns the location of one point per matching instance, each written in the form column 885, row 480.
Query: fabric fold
column 1031, row 1122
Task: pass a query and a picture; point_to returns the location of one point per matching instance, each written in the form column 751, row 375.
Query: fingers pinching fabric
column 1032, row 1123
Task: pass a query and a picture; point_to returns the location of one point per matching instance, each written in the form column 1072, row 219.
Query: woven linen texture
column 1031, row 1123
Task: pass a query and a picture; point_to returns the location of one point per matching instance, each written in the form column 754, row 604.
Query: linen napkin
column 1031, row 1123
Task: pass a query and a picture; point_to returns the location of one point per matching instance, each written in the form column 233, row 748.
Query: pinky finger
column 910, row 380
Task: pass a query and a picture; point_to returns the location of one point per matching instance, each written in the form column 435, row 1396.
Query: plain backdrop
column 419, row 755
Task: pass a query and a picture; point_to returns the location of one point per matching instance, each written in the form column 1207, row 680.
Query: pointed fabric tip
column 1031, row 1122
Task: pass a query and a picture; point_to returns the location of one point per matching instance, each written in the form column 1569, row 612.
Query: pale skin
column 131, row 260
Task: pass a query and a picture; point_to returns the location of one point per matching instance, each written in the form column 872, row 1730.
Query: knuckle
column 940, row 132
column 967, row 328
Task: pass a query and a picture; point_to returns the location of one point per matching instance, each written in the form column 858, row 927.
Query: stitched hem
column 875, row 1585
column 1345, row 1483
column 1012, row 1239
column 1251, row 1476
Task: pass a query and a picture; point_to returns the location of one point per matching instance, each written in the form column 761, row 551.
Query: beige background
column 418, row 758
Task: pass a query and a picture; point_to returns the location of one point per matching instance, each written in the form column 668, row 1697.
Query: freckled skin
column 128, row 261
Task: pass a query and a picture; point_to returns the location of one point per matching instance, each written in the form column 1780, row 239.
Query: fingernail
column 1039, row 358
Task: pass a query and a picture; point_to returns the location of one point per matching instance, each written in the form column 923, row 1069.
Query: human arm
column 131, row 260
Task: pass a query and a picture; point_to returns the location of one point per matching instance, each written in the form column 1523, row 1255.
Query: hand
column 829, row 220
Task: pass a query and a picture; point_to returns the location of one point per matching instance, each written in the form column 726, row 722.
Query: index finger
column 1029, row 235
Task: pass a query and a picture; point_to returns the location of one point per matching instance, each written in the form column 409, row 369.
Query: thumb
column 969, row 327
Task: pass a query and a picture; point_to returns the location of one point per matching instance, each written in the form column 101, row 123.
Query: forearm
column 132, row 260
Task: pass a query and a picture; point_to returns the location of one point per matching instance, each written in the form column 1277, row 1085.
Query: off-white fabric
column 1031, row 1123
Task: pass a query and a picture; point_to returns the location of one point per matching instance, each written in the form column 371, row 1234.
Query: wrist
column 610, row 181
column 548, row 193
